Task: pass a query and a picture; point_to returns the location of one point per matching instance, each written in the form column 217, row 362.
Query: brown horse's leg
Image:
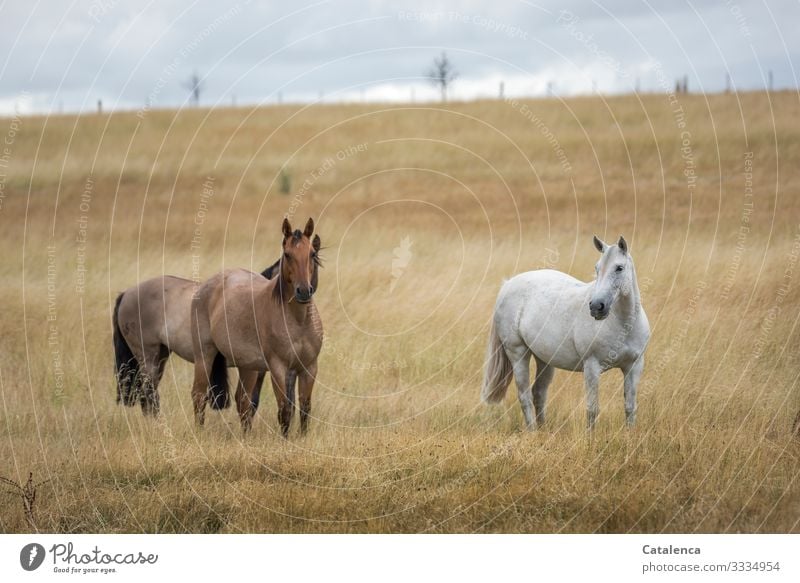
column 154, row 361
column 139, row 387
column 202, row 383
column 246, row 400
column 256, row 392
column 155, row 399
column 283, row 383
column 306, row 385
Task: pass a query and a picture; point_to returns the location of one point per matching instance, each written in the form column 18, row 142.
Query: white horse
column 568, row 324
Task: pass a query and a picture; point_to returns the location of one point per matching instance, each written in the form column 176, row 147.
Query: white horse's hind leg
column 632, row 375
column 521, row 362
column 591, row 379
column 544, row 376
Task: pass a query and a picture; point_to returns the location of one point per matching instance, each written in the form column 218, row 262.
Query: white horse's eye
column 620, row 268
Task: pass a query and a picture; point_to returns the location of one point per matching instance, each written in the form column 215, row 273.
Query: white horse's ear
column 623, row 244
column 598, row 244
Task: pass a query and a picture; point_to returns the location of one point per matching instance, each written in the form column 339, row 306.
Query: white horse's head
column 614, row 277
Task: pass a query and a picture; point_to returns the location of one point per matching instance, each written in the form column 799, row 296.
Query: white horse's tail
column 498, row 372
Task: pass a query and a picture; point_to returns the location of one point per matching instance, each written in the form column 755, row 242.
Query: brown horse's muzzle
column 303, row 294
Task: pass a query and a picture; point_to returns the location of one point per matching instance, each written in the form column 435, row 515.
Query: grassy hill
column 423, row 210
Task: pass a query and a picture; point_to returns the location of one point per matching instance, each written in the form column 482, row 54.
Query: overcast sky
column 58, row 54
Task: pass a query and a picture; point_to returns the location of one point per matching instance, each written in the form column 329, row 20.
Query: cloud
column 125, row 53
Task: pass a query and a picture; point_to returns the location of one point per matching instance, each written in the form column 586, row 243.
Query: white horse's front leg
column 544, row 376
column 632, row 375
column 521, row 362
column 591, row 379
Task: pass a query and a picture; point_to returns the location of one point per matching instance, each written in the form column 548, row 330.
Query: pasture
column 423, row 210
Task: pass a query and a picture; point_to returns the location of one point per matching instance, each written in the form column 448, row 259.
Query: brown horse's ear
column 316, row 243
column 309, row 230
column 287, row 227
column 598, row 244
column 623, row 244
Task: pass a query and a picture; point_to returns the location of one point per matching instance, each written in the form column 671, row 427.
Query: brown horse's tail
column 498, row 372
column 128, row 379
column 219, row 383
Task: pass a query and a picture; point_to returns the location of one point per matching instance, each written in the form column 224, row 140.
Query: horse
column 150, row 321
column 567, row 324
column 264, row 326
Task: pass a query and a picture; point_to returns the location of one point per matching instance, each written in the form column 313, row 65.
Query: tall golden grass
column 423, row 210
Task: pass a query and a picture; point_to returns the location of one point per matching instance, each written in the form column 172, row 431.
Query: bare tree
column 195, row 85
column 442, row 74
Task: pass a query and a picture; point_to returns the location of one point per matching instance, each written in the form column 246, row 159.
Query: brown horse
column 151, row 320
column 262, row 325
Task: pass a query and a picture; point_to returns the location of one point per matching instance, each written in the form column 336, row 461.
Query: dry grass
column 399, row 441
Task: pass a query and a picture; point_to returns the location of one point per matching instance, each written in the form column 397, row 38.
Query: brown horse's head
column 298, row 264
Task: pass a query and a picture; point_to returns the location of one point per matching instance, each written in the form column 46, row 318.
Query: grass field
column 423, row 210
